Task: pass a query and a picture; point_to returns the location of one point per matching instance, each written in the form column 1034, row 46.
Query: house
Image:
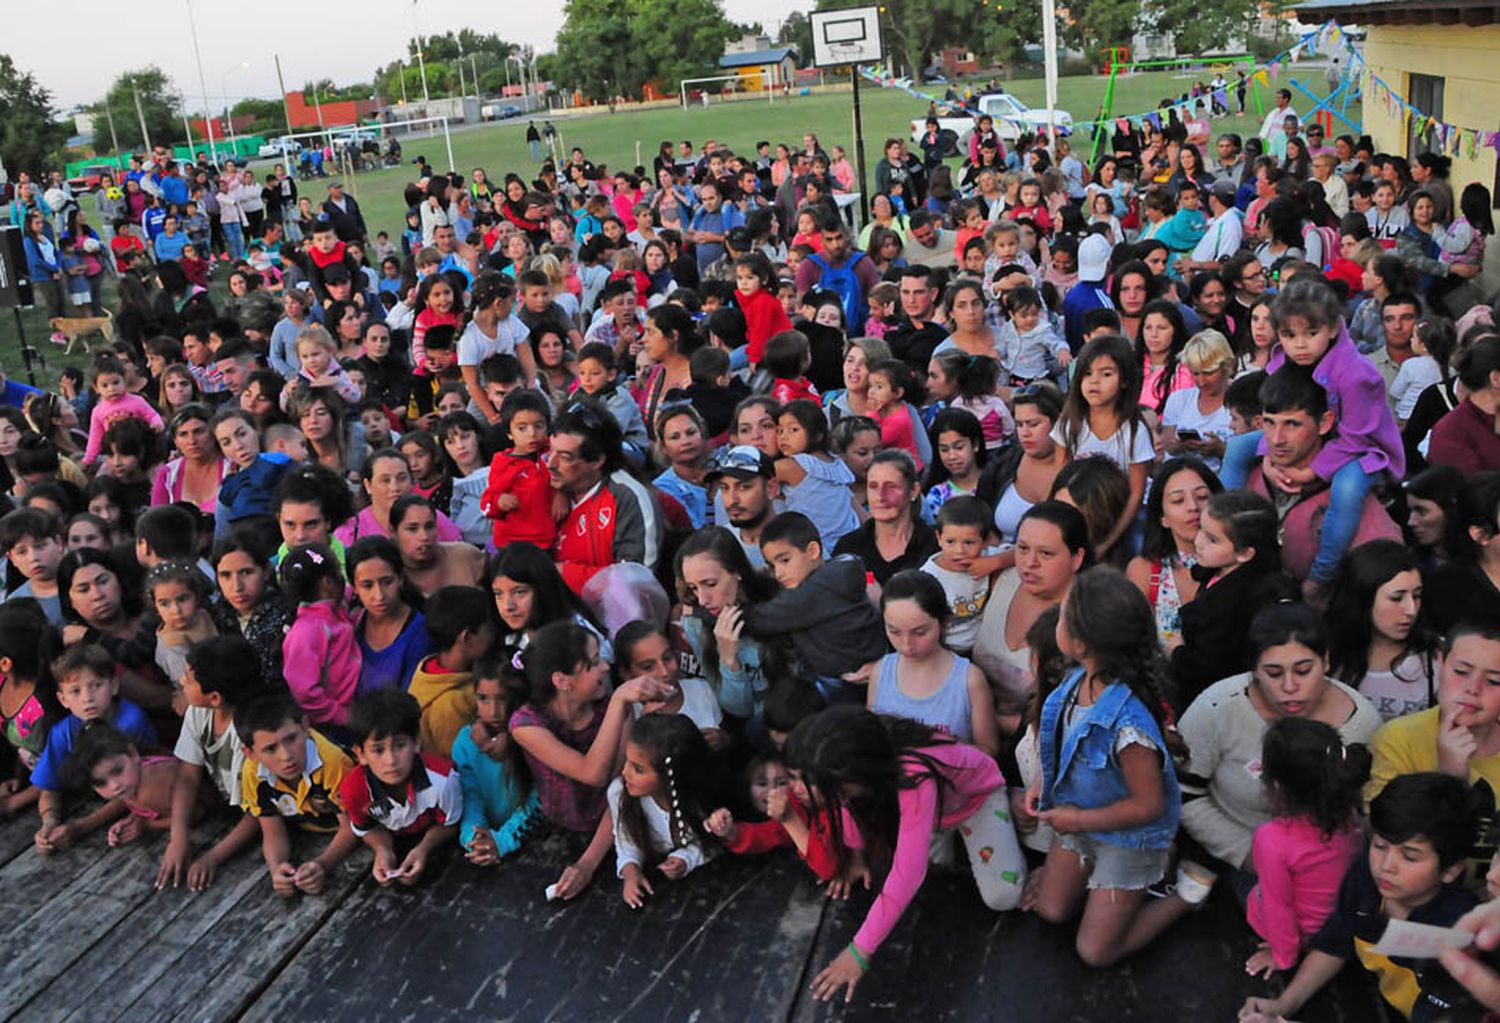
column 957, row 62
column 758, row 64
column 304, row 113
column 1443, row 57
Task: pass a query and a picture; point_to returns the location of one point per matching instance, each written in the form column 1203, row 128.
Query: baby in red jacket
column 519, row 493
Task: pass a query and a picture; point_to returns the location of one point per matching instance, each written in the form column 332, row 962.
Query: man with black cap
column 1222, row 234
column 343, row 212
column 747, row 499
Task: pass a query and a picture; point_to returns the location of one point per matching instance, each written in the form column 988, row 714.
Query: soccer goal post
column 724, row 88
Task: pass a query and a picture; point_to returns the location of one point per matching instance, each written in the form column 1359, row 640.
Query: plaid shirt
column 565, row 802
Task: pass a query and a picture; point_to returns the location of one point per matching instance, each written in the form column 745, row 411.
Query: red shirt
column 1466, row 439
column 821, row 856
column 527, row 479
column 764, row 318
column 120, row 245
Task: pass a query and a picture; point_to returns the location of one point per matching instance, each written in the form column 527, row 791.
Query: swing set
column 1117, row 61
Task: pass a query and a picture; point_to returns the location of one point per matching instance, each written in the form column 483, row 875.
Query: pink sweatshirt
column 1299, row 877
column 131, row 406
column 321, row 661
column 972, row 776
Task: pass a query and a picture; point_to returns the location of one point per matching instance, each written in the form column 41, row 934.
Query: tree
column 595, row 48
column 796, row 32
column 915, row 30
column 269, row 114
column 158, row 108
column 30, row 139
column 614, row 47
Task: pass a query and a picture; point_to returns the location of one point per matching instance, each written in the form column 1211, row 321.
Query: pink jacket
column 1299, row 874
column 971, row 775
column 131, row 406
column 321, row 661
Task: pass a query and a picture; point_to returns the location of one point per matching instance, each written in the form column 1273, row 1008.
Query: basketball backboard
column 850, row 36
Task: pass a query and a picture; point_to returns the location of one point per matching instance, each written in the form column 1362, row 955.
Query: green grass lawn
column 612, row 139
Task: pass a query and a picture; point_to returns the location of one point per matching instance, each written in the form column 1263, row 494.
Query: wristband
column 859, row 957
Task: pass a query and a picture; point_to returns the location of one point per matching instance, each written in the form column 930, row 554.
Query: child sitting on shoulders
column 813, row 481
column 318, row 355
column 88, row 689
column 787, row 359
column 884, row 299
column 500, row 805
column 1029, row 347
column 518, row 496
column 659, row 803
column 1421, row 829
column 398, row 793
column 222, row 673
column 963, row 526
column 115, row 403
column 291, row 777
column 460, row 622
column 598, row 373
column 1302, row 854
column 320, row 655
column 107, row 761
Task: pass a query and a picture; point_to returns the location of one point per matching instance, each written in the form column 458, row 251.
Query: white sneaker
column 1194, row 883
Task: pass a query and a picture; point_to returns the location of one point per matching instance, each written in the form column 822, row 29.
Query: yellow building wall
column 1468, row 59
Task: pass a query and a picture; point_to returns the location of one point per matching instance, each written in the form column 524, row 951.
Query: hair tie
column 516, row 661
column 677, row 817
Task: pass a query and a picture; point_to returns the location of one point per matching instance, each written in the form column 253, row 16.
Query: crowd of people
column 1134, row 526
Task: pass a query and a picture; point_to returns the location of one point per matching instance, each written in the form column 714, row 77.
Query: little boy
column 822, row 608
column 596, row 378
column 89, row 691
column 962, row 524
column 291, row 776
column 1422, row 826
column 714, row 392
column 200, row 360
column 787, row 358
column 33, row 540
column 1243, row 400
column 459, row 624
column 441, row 368
column 382, row 249
column 397, row 793
column 538, row 309
column 222, row 673
column 519, row 493
column 196, row 226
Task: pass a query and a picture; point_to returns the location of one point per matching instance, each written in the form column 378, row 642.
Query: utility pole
column 141, row 115
column 461, row 92
column 186, row 125
column 421, row 58
column 213, row 150
column 109, row 116
column 286, row 108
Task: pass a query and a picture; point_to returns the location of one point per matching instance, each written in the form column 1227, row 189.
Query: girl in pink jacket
column 320, row 655
column 889, row 783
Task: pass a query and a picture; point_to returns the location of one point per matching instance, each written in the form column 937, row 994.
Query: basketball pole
column 859, row 148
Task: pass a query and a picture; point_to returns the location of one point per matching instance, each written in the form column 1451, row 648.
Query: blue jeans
column 536, row 150
column 1346, row 500
column 234, row 239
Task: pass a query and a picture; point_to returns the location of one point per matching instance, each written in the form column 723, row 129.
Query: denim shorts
column 1117, row 866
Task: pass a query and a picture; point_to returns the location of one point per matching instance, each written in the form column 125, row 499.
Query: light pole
column 421, row 58
column 208, row 121
column 224, row 88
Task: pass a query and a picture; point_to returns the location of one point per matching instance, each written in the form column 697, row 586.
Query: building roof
column 757, row 57
column 1472, row 13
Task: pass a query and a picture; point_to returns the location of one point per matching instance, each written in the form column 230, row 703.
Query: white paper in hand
column 1420, row 941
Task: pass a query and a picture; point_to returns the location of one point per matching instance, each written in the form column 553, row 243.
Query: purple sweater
column 1366, row 430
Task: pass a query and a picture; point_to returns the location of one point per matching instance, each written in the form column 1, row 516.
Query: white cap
column 1093, row 258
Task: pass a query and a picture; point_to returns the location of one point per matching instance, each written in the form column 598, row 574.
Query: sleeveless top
column 21, row 730
column 947, row 709
column 567, row 803
column 1166, row 602
column 145, row 812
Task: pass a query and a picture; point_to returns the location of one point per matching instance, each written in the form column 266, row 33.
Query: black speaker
column 15, row 280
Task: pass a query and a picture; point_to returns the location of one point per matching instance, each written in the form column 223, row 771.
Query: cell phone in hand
column 1189, row 435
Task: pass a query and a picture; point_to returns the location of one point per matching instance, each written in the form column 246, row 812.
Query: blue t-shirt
column 51, row 606
column 170, row 246
column 393, row 667
column 128, row 718
column 719, row 222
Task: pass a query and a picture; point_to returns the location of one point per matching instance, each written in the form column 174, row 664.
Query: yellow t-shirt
column 312, row 803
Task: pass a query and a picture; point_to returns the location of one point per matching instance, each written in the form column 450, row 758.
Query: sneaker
column 1194, row 883
column 58, row 338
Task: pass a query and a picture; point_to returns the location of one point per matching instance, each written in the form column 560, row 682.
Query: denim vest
column 1082, row 769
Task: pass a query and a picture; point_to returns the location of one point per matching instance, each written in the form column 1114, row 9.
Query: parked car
column 277, row 147
column 87, row 180
column 1012, row 117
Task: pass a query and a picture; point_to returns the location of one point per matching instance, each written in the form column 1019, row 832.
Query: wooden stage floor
column 91, row 941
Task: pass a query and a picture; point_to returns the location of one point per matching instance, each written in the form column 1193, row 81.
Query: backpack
column 1329, row 237
column 844, row 283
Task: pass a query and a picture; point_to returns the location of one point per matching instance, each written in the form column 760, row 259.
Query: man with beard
column 748, row 495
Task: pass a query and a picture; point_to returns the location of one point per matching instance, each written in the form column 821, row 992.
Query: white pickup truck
column 1012, row 117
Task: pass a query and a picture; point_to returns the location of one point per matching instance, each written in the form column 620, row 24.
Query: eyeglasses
column 586, row 412
column 1257, row 275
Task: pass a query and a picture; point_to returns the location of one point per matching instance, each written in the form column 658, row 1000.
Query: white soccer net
column 703, row 92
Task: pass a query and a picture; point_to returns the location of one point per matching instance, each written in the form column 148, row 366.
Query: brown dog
column 75, row 327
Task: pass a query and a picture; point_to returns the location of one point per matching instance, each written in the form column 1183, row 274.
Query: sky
column 101, row 41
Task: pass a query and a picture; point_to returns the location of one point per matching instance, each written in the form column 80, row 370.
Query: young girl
column 922, row 680
column 668, row 787
column 1380, row 644
column 1102, row 211
column 572, row 735
column 1366, row 443
column 1432, row 341
column 755, row 294
column 179, row 592
column 252, row 605
column 889, row 784
column 437, row 304
column 890, row 383
column 320, row 656
column 429, row 479
column 1030, row 349
column 500, row 806
column 391, row 634
column 1239, row 572
column 115, row 403
column 519, row 494
column 786, row 821
column 115, row 769
column 643, row 649
column 1465, row 240
column 856, row 439
column 1312, row 781
column 319, row 356
column 813, row 481
column 1159, row 350
column 978, row 378
column 1101, row 416
column 958, row 441
column 1109, row 789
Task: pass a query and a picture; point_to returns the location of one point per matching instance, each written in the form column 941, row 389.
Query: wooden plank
column 727, row 943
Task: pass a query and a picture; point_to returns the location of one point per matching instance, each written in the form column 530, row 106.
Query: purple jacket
column 1366, row 430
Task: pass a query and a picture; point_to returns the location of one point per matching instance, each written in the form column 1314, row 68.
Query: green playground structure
column 1117, row 60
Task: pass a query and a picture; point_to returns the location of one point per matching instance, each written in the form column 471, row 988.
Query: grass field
column 612, row 139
